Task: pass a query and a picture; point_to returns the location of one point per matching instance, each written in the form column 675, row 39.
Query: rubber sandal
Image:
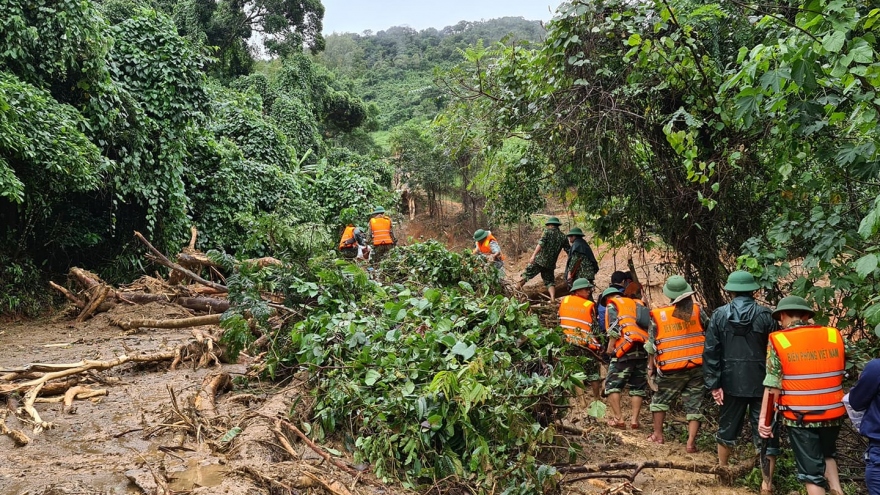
column 616, row 423
column 652, row 438
column 635, row 426
column 692, row 450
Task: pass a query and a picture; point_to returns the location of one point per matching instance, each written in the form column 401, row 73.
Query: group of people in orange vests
column 770, row 366
column 372, row 246
column 773, row 366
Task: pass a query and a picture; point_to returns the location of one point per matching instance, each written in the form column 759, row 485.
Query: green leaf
column 372, row 377
column 464, row 350
column 230, row 435
column 834, row 41
column 634, row 40
column 866, row 265
column 596, row 409
column 432, row 295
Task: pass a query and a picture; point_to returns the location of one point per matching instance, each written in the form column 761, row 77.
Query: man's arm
column 537, row 250
column 868, row 386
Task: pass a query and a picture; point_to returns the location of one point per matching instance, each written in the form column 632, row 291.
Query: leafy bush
column 430, row 263
column 431, row 383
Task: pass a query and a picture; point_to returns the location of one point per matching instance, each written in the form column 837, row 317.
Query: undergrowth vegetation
column 433, row 379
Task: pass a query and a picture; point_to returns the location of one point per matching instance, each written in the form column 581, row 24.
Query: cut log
column 195, row 321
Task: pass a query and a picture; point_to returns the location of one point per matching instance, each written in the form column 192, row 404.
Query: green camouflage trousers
column 379, row 252
column 547, row 274
column 632, row 372
column 688, row 384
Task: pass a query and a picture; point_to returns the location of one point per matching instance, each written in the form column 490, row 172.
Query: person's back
column 738, row 334
column 734, row 367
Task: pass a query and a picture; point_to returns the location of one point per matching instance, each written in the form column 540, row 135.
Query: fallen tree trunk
column 173, row 323
column 211, row 386
column 603, row 470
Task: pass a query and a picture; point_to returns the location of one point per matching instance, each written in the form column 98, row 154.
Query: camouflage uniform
column 632, row 368
column 379, row 252
column 686, row 383
column 582, row 261
column 552, row 242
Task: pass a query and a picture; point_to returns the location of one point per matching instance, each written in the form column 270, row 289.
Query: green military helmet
column 793, row 303
column 553, row 221
column 741, row 281
column 581, row 283
column 480, row 234
column 378, row 210
column 676, row 286
column 576, row 231
column 607, row 292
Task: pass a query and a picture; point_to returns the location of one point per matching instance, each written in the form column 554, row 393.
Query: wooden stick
column 172, row 323
column 284, row 441
column 164, row 261
column 318, row 450
column 211, row 386
column 69, row 295
column 334, row 487
column 18, row 438
column 192, row 238
column 79, row 392
column 99, row 296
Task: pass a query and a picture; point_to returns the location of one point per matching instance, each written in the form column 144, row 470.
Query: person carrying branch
column 577, row 317
column 734, row 365
column 627, row 323
column 675, row 347
column 487, row 246
column 380, row 234
column 543, row 259
column 805, row 366
column 581, row 261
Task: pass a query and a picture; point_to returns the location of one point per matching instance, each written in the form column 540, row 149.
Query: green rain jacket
column 735, row 353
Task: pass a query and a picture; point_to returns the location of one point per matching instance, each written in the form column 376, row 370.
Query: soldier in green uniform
column 812, row 441
column 675, row 346
column 543, row 260
column 581, row 261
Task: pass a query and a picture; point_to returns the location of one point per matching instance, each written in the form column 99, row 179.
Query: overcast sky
column 356, row 16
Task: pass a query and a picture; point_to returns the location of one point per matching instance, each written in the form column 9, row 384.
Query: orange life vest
column 483, row 246
column 630, row 332
column 348, row 240
column 380, row 226
column 576, row 317
column 679, row 343
column 812, row 360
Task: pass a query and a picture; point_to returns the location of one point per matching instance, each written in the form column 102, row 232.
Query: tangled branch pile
column 429, row 383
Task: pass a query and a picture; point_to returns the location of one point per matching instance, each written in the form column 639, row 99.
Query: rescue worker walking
column 487, row 246
column 675, row 346
column 627, row 321
column 619, row 280
column 543, row 260
column 577, row 317
column 581, row 261
column 734, row 365
column 805, row 366
column 380, row 234
column 352, row 244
